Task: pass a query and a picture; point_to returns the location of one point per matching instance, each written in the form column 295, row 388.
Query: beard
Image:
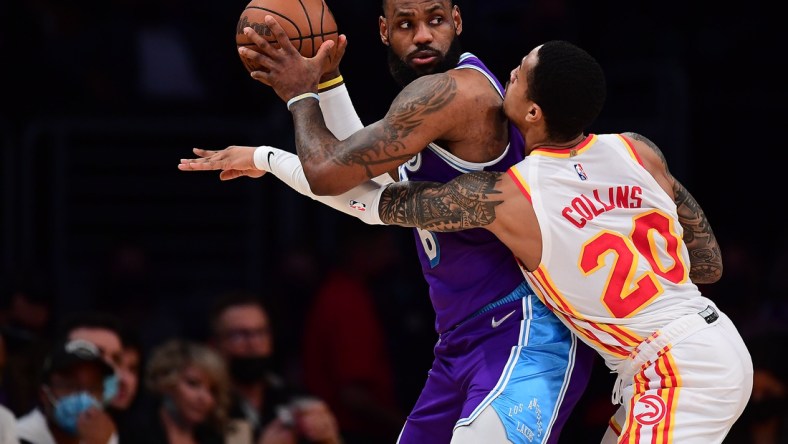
column 404, row 73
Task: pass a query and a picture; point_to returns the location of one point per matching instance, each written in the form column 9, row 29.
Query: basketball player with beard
column 505, row 368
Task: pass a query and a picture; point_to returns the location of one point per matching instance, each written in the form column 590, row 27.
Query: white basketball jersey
column 614, row 267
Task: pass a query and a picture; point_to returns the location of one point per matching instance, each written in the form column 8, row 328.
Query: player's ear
column 457, row 18
column 534, row 113
column 384, row 31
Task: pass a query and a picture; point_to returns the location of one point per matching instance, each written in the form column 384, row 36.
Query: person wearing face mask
column 263, row 404
column 71, row 399
column 107, row 332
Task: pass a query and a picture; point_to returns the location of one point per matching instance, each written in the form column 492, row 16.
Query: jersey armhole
column 632, row 152
column 518, row 179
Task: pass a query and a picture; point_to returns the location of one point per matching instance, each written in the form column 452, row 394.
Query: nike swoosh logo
column 270, row 153
column 495, row 323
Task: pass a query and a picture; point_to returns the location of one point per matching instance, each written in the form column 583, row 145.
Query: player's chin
column 424, row 69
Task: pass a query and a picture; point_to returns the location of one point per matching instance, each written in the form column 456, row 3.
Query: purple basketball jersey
column 465, row 270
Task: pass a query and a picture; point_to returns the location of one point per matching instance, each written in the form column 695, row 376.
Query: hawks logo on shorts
column 650, row 410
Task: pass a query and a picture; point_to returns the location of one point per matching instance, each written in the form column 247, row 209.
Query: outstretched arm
column 705, row 255
column 418, row 116
column 357, row 202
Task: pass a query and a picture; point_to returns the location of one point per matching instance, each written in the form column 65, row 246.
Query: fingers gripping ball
column 308, row 23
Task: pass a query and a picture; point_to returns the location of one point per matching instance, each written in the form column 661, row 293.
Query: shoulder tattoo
column 425, row 96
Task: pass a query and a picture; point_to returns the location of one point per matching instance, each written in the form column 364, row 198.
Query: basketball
column 308, row 23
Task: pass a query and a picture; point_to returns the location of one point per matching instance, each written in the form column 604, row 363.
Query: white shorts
column 688, row 384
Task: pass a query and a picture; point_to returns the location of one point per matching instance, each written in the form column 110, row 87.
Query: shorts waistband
column 648, row 350
column 518, row 293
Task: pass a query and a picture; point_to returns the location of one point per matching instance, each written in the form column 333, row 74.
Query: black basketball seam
column 308, row 22
column 300, row 39
column 322, row 34
column 322, row 16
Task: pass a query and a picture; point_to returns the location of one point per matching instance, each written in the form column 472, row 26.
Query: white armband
column 360, row 202
column 338, row 112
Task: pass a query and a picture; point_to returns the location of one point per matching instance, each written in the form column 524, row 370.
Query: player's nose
column 423, row 34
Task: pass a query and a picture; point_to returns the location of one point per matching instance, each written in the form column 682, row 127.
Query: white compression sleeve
column 360, row 202
column 338, row 112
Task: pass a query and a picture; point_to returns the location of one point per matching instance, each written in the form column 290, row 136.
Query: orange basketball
column 308, row 23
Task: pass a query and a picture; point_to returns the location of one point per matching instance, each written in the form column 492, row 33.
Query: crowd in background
column 338, row 359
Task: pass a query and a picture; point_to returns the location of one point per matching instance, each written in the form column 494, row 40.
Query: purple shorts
column 516, row 357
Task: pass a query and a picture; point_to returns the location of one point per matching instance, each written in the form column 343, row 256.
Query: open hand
column 233, row 161
column 284, row 68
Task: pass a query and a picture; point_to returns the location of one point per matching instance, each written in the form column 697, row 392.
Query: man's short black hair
column 89, row 319
column 230, row 299
column 569, row 85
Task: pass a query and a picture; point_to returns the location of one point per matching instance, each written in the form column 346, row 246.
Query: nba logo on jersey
column 356, row 205
column 580, row 172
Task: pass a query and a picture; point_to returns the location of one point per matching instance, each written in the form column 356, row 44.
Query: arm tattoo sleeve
column 468, row 201
column 705, row 255
column 378, row 143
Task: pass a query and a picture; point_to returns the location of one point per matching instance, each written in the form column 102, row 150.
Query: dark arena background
column 100, row 100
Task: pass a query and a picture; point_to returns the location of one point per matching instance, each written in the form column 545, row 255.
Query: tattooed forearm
column 466, row 202
column 311, row 135
column 706, row 259
column 380, row 143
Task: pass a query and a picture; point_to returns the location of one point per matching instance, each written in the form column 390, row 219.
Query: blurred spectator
column 25, row 323
column 131, row 358
column 125, row 408
column 8, row 433
column 191, row 389
column 70, row 399
column 105, row 331
column 353, row 371
column 272, row 411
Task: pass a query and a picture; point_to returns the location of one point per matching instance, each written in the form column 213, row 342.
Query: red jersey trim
column 632, row 152
column 566, row 152
column 519, row 180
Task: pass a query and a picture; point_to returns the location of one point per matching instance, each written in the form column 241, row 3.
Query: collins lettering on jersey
column 584, row 209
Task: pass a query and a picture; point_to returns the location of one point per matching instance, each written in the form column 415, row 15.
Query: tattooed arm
column 420, row 114
column 705, row 255
column 468, row 201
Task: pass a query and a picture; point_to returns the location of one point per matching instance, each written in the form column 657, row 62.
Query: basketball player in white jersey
column 610, row 241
